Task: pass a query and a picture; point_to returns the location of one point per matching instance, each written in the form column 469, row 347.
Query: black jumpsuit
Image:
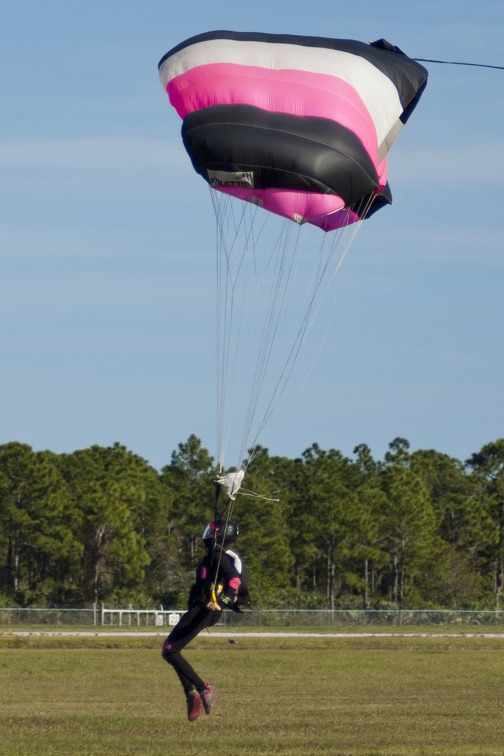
column 198, row 617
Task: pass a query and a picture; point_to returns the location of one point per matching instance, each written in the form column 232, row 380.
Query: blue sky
column 107, row 240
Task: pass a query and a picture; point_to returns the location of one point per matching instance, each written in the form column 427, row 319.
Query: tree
column 367, row 482
column 409, row 528
column 462, row 525
column 264, row 532
column 301, row 525
column 335, row 516
column 106, row 498
column 488, row 473
column 41, row 550
column 398, row 453
column 190, row 478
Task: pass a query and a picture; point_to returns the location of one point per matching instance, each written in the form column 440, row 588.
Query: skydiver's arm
column 230, row 579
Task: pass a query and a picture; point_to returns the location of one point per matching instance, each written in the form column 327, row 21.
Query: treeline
column 413, row 530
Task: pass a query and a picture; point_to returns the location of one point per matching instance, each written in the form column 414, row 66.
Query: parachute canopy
column 300, row 126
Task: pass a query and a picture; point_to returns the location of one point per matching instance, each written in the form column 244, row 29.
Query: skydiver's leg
column 188, row 627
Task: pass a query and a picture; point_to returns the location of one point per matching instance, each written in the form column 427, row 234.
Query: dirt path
column 236, row 634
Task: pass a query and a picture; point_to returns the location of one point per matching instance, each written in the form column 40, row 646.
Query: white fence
column 308, row 618
column 130, row 616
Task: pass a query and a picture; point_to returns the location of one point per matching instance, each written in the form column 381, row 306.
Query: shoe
column 208, row 698
column 193, row 705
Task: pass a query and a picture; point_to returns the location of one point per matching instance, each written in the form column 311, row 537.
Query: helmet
column 222, row 531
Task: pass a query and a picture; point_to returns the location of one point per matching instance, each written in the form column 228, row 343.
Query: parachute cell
column 297, row 125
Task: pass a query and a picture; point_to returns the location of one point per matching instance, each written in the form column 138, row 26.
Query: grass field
column 293, row 696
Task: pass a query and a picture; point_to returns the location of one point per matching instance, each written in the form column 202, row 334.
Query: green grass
column 292, row 696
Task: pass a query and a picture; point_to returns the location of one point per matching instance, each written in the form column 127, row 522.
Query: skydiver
column 221, row 582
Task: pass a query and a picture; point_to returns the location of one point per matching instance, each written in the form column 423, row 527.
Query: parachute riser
column 218, row 516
